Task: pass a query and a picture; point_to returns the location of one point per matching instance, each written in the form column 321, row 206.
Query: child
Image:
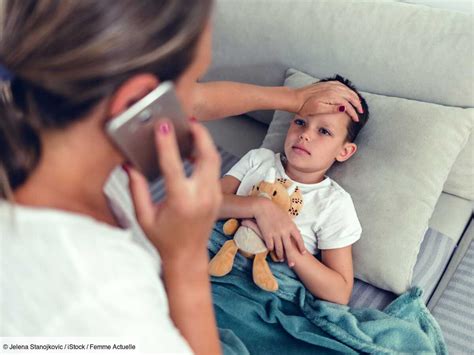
column 328, row 220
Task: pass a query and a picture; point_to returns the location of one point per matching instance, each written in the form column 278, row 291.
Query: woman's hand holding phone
column 179, row 226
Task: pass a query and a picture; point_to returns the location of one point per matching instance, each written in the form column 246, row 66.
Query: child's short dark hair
column 353, row 128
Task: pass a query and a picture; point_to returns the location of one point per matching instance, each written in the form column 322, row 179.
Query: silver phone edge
column 118, row 121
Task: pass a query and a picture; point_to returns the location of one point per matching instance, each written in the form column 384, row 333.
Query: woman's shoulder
column 71, row 240
column 24, row 220
column 66, row 262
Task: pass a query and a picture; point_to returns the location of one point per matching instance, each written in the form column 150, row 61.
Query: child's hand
column 293, row 254
column 278, row 230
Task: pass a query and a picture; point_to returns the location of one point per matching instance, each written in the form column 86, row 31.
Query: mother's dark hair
column 67, row 55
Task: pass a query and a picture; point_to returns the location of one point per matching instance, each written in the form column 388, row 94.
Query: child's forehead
column 329, row 119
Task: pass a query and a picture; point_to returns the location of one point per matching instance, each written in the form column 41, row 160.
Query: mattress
column 454, row 308
column 435, row 252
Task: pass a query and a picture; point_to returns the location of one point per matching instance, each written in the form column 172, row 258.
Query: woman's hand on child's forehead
column 328, row 97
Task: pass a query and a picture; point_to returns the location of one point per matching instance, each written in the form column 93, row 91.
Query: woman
column 70, row 266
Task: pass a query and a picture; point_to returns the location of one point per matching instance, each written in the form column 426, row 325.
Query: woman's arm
column 225, row 98
column 219, row 99
column 190, row 301
column 179, row 228
column 330, row 280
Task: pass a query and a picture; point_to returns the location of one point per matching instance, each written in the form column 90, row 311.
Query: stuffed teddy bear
column 247, row 238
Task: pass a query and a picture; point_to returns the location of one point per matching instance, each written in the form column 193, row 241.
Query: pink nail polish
column 342, row 108
column 164, row 128
column 126, row 167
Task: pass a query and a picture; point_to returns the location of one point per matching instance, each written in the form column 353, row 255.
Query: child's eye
column 299, row 122
column 324, row 131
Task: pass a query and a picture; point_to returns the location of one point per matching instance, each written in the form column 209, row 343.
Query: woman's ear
column 131, row 91
column 346, row 152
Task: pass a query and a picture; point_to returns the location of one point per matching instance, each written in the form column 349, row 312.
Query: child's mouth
column 300, row 150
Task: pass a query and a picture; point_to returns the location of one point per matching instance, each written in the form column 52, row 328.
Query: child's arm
column 276, row 225
column 234, row 206
column 330, row 280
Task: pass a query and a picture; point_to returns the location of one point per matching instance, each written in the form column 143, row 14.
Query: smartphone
column 133, row 132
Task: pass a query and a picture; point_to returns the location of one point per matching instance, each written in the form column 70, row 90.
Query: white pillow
column 406, row 151
column 461, row 178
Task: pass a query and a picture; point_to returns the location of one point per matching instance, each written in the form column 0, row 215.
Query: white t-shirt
column 65, row 274
column 328, row 219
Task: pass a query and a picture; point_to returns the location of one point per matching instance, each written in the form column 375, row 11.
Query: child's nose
column 304, row 136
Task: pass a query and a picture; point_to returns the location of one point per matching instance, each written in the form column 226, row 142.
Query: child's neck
column 303, row 176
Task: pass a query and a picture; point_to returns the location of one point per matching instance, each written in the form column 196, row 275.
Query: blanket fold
column 293, row 321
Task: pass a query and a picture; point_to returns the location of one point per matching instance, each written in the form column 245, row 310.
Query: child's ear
column 346, row 152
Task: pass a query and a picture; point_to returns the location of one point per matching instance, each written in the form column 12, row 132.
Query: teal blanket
column 292, row 321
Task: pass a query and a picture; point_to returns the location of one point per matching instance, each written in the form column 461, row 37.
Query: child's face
column 313, row 143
